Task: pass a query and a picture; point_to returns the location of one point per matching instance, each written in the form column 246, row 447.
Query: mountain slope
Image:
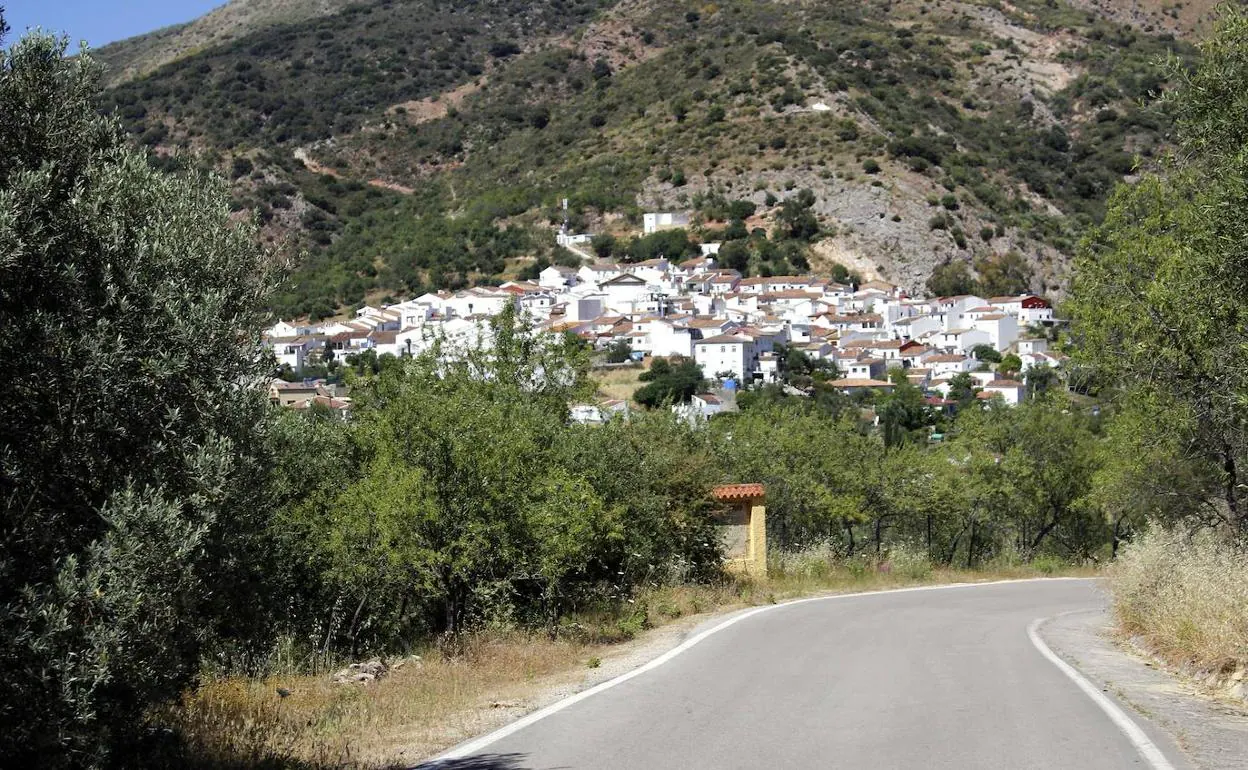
column 416, row 144
column 137, row 56
column 1178, row 17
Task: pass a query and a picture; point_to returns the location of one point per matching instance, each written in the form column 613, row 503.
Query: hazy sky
column 100, row 21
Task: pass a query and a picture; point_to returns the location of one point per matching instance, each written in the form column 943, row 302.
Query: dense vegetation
column 459, row 494
column 130, row 311
column 696, row 108
column 1003, row 276
column 300, row 82
column 1158, row 301
column 1177, row 363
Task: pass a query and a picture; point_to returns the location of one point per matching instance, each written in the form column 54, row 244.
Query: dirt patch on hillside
column 391, row 186
column 301, row 154
column 1037, row 70
column 614, row 39
column 838, row 251
column 432, row 108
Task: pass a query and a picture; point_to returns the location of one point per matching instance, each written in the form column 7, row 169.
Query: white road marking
column 1143, row 744
column 475, row 746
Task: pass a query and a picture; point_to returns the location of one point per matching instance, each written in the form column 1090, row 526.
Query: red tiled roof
column 738, row 491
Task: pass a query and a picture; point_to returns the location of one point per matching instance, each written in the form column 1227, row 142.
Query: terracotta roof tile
column 726, row 492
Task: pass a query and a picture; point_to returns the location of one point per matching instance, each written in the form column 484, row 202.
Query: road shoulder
column 1192, row 728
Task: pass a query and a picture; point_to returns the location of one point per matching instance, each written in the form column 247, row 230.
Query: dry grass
column 1186, row 599
column 494, row 676
column 618, row 383
column 423, row 706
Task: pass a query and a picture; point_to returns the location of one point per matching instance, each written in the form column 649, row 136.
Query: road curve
column 935, row 679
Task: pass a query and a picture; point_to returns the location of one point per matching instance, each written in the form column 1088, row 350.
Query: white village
column 730, row 325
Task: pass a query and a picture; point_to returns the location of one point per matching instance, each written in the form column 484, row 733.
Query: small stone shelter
column 743, row 527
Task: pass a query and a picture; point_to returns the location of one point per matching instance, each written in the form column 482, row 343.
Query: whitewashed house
column 1031, row 345
column 701, row 407
column 584, row 308
column 1010, row 391
column 476, row 301
column 864, row 369
column 652, row 222
column 948, row 364
column 599, row 272
column 962, row 340
column 557, row 277
column 916, row 327
column 535, row 305
column 285, row 330
column 1002, row 329
column 1036, row 310
column 435, row 300
column 385, row 343
column 291, row 351
column 625, row 293
column 730, row 353
column 665, row 338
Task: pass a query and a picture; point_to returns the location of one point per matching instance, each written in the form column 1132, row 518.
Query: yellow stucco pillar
column 743, row 528
column 758, row 538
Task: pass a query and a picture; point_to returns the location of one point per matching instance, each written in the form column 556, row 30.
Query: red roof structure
column 728, row 492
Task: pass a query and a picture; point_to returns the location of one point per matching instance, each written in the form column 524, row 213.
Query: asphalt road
column 926, row 679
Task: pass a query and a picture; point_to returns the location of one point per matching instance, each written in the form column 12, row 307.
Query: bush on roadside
column 1187, row 599
column 908, row 562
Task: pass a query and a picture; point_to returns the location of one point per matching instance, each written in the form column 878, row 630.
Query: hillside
column 1179, row 17
column 407, row 145
column 137, row 56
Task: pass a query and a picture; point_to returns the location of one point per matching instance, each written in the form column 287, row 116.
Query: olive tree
column 130, row 309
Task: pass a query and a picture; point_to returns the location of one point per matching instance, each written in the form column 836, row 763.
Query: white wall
column 721, row 357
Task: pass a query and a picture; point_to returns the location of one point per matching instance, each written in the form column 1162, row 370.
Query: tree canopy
column 1159, row 286
column 669, row 382
column 130, row 313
